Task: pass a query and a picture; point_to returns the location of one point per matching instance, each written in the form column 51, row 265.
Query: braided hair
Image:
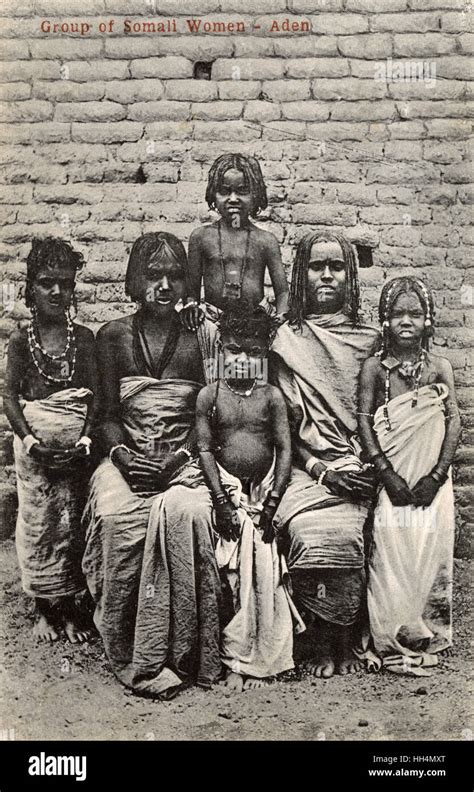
column 299, row 276
column 153, row 247
column 52, row 252
column 241, row 319
column 253, row 176
column 406, row 284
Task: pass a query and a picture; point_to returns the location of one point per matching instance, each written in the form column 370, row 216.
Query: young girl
column 232, row 255
column 51, row 379
column 409, row 425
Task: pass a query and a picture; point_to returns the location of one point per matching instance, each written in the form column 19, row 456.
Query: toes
column 327, row 671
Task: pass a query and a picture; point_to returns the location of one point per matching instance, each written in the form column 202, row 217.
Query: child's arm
column 426, row 488
column 226, row 515
column 397, row 489
column 277, row 274
column 191, row 314
column 282, row 443
column 91, row 379
column 16, row 368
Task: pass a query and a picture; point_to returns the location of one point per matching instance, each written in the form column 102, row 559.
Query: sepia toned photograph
column 237, row 403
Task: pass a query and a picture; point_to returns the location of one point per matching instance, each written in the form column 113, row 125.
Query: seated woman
column 149, row 559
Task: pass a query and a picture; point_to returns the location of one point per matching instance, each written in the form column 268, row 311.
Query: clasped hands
column 400, row 494
column 227, row 521
column 143, row 474
column 58, row 457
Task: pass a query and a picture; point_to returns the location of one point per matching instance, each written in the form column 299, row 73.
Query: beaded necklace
column 35, row 346
column 246, row 393
column 407, row 370
column 233, row 290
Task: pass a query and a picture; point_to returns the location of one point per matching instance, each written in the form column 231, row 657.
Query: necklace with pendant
column 409, row 371
column 231, row 289
column 246, row 393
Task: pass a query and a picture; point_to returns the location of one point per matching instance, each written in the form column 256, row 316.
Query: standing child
column 50, row 387
column 245, row 455
column 232, row 255
column 409, row 425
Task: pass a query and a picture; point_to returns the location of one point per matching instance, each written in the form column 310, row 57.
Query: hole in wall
column 202, row 70
column 140, row 177
column 364, row 253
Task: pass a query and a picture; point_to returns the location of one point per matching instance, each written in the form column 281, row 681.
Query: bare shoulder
column 274, row 394
column 114, row 329
column 84, row 334
column 201, row 234
column 18, row 337
column 440, row 364
column 265, row 238
column 205, row 395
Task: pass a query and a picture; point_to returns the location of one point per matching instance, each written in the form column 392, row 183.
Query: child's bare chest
column 248, row 414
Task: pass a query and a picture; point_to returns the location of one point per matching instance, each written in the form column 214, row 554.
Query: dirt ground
column 67, row 692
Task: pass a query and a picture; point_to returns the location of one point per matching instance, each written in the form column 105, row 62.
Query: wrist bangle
column 184, row 450
column 439, row 475
column 29, row 441
column 115, row 448
column 312, row 461
column 275, row 494
column 86, row 442
column 322, row 477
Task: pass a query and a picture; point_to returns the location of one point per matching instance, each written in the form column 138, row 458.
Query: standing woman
column 149, row 560
column 51, row 405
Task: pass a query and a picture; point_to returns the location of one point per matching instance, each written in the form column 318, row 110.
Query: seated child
column 409, row 425
column 232, row 254
column 245, row 455
column 50, row 382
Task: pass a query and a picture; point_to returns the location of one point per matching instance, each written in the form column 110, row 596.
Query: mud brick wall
column 105, row 136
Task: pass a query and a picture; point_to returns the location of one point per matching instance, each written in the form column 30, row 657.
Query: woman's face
column 53, row 288
column 163, row 285
column 326, row 287
column 407, row 321
column 233, row 198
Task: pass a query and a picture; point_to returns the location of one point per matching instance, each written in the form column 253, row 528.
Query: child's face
column 326, row 277
column 53, row 288
column 233, row 198
column 243, row 356
column 407, row 321
column 163, row 285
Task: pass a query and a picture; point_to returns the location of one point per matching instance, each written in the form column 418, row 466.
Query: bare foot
column 323, row 663
column 323, row 666
column 74, row 632
column 73, row 622
column 251, row 683
column 44, row 629
column 234, row 682
column 348, row 663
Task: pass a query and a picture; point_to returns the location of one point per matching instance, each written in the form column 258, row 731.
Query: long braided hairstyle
column 299, row 276
column 252, row 172
column 391, row 291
